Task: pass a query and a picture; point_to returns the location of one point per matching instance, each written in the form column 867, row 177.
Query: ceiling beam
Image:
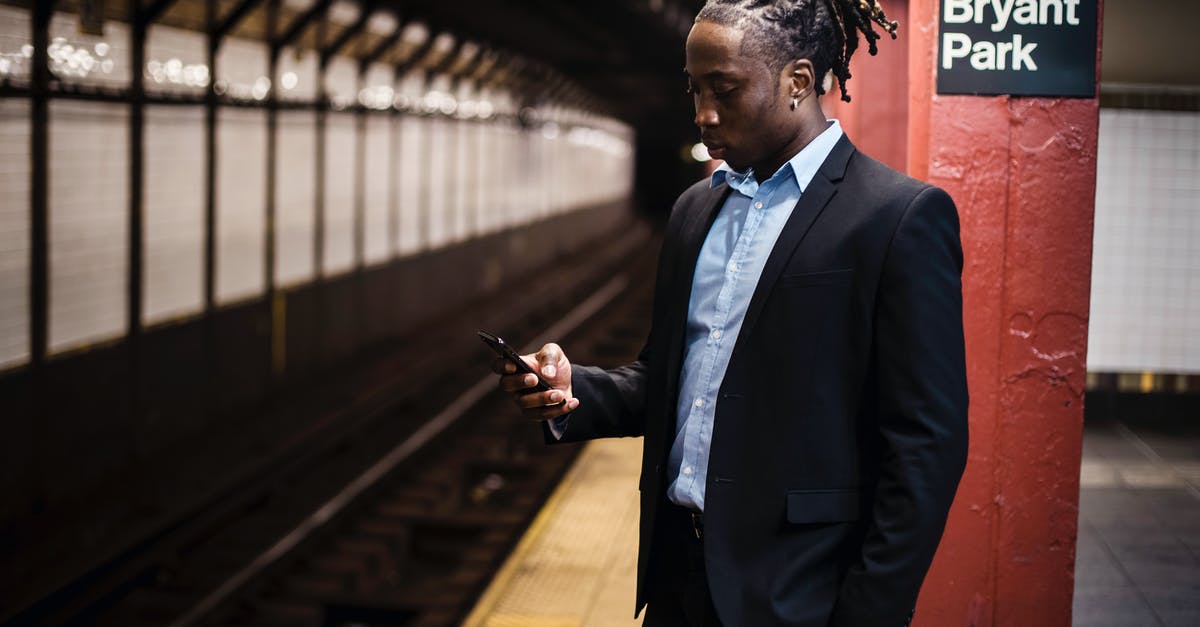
column 231, row 19
column 382, row 47
column 366, row 10
column 150, row 14
column 301, row 22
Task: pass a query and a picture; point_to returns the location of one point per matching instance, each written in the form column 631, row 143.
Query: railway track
column 399, row 518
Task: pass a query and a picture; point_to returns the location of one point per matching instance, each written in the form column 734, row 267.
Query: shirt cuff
column 558, row 426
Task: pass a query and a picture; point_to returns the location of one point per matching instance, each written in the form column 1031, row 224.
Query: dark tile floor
column 1138, row 559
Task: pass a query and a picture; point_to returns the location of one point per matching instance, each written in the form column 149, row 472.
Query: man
column 802, row 392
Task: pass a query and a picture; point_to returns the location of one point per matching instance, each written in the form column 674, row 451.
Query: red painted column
column 1022, row 171
column 877, row 115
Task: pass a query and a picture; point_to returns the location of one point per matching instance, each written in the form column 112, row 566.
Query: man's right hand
column 554, row 368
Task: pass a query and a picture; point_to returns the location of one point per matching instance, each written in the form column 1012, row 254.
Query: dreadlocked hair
column 826, row 32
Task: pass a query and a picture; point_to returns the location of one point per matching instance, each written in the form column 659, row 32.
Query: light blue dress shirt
column 727, row 273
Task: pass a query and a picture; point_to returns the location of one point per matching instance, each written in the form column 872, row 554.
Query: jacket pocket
column 826, row 277
column 823, row 506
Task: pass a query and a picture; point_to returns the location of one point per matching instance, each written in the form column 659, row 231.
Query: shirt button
column 758, row 205
column 687, row 470
column 699, row 402
column 732, row 266
column 716, row 334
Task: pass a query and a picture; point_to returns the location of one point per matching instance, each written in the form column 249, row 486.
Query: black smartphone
column 504, row 350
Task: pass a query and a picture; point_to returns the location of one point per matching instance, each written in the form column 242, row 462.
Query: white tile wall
column 241, row 67
column 1145, row 310
column 173, row 212
column 341, row 80
column 80, row 58
column 240, row 203
column 304, row 66
column 483, row 148
column 341, row 163
column 165, row 44
column 460, row 182
column 412, row 174
column 89, row 218
column 380, row 76
column 378, row 168
column 14, row 34
column 437, row 172
column 295, row 196
column 14, row 231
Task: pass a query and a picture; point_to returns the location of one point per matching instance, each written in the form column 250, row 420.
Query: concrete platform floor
column 1138, row 553
column 1137, row 560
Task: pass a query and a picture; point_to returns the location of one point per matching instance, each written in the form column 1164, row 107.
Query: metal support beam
column 368, row 8
column 275, row 300
column 418, row 56
column 39, row 264
column 210, row 169
column 136, row 284
column 301, row 22
column 384, row 46
column 151, row 13
column 231, row 19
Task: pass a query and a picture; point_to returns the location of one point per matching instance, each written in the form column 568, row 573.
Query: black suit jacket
column 840, row 430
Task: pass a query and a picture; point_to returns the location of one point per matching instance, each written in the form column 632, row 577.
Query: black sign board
column 1017, row 47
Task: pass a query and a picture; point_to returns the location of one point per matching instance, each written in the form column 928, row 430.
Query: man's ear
column 801, row 77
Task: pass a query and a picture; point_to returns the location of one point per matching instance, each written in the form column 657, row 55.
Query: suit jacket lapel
column 812, row 202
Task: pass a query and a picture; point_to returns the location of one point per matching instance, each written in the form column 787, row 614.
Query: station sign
column 1018, row 47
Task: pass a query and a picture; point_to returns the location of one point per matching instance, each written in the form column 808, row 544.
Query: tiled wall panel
column 434, row 201
column 297, row 74
column 89, row 217
column 14, row 35
column 295, row 196
column 460, row 185
column 241, row 199
column 378, row 167
column 341, row 163
column 14, row 231
column 176, row 60
column 1145, row 311
column 413, row 175
column 341, row 81
column 173, row 212
column 242, row 69
column 89, row 59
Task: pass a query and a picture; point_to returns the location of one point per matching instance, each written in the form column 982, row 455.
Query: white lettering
column 987, row 55
column 1072, row 19
column 980, row 5
column 1026, row 12
column 1023, row 55
column 954, row 46
column 957, row 11
column 1002, row 50
column 983, row 55
column 1003, row 9
column 1058, row 11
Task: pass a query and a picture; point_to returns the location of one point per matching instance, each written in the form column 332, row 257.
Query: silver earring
column 795, row 102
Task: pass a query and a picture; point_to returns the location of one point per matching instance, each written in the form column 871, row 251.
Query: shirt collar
column 803, row 165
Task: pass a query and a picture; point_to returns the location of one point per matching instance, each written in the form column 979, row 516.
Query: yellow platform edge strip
column 499, row 585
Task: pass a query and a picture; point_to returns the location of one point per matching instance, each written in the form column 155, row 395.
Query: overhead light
column 344, row 12
column 415, row 33
column 383, row 23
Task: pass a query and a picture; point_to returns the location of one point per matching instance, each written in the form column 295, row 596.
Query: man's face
column 741, row 104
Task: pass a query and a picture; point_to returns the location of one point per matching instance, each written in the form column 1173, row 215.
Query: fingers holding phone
column 540, row 383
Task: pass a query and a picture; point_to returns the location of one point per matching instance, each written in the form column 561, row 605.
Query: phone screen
column 504, row 350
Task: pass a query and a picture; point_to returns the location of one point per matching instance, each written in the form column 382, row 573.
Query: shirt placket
column 697, row 438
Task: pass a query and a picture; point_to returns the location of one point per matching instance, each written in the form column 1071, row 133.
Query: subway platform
column 1138, row 553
